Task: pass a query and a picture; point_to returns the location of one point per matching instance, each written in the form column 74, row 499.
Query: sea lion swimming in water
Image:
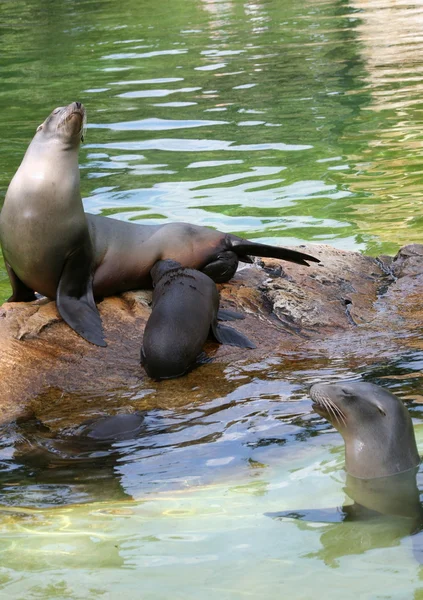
column 381, row 456
column 381, row 461
column 185, row 310
column 376, row 427
column 51, row 246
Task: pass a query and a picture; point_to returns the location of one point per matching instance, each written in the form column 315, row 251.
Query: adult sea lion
column 381, row 456
column 52, row 247
column 381, row 461
column 376, row 427
column 44, row 233
column 185, row 310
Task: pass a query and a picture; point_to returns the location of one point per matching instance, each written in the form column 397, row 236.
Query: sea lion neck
column 44, row 142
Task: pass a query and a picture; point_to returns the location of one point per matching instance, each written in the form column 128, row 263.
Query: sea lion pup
column 381, row 456
column 44, row 233
column 52, row 247
column 115, row 428
column 185, row 309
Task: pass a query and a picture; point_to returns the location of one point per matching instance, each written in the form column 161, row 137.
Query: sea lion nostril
column 78, row 104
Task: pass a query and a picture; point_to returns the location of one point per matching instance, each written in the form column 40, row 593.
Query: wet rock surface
column 350, row 307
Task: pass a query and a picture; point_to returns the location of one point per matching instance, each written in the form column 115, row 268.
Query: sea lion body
column 185, row 309
column 125, row 252
column 382, row 462
column 36, row 252
column 381, row 456
column 44, row 233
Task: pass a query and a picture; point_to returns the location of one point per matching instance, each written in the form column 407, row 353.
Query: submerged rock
column 349, row 307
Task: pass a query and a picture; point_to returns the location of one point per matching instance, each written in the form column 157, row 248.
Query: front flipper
column 224, row 314
column 75, row 300
column 338, row 514
column 223, row 267
column 231, row 337
column 20, row 292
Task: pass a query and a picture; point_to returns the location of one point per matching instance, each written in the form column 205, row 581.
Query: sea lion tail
column 244, row 249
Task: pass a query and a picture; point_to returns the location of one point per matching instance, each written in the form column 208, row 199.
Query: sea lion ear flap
column 39, row 127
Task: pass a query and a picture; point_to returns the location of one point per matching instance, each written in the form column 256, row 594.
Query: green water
column 286, row 120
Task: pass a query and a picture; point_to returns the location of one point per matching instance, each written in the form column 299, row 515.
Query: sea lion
column 381, row 463
column 125, row 252
column 381, row 456
column 44, row 233
column 52, row 247
column 185, row 310
column 376, row 427
column 115, row 428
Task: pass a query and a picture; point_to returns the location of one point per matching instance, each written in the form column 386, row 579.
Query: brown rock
column 350, row 307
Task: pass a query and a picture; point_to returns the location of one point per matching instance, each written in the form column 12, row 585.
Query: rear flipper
column 228, row 315
column 231, row 337
column 75, row 300
column 244, row 249
column 223, row 267
column 20, row 292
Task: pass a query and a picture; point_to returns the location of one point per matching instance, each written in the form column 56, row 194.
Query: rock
column 350, row 307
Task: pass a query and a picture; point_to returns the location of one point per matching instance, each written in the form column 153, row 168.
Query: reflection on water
column 193, row 487
column 290, row 120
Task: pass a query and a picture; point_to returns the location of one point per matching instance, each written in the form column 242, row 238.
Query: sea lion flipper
column 222, row 267
column 20, row 292
column 347, row 513
column 228, row 315
column 314, row 515
column 75, row 299
column 231, row 337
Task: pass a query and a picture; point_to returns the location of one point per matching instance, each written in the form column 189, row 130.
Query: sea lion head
column 376, row 427
column 65, row 123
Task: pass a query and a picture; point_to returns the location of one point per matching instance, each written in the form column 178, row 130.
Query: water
column 281, row 121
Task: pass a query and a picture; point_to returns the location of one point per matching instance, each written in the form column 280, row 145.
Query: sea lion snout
column 324, row 403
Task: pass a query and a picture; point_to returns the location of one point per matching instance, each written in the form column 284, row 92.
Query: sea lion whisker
column 342, row 417
column 83, row 130
column 326, row 405
column 339, row 412
column 334, row 410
